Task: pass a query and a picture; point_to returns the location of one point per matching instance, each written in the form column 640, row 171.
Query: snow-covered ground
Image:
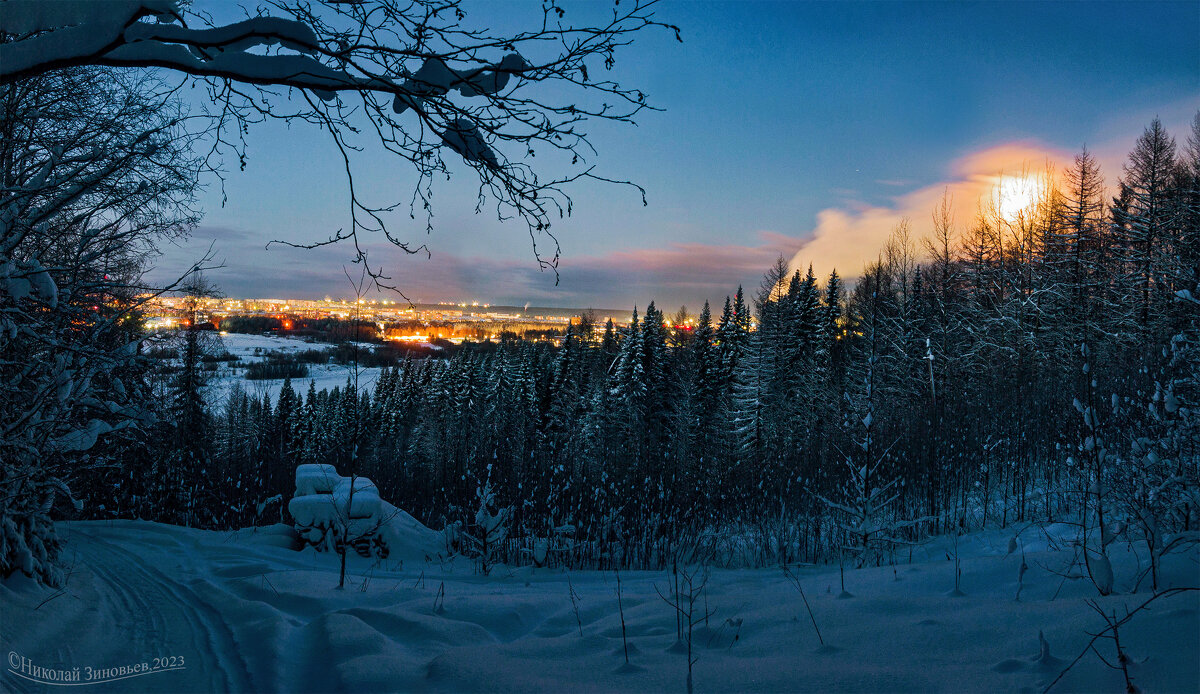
column 252, row 348
column 247, row 614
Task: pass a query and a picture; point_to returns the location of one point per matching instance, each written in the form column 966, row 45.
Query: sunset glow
column 1017, row 195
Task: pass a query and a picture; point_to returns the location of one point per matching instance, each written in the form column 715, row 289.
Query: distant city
column 394, row 320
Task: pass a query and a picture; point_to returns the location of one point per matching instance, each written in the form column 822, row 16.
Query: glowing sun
column 1016, row 196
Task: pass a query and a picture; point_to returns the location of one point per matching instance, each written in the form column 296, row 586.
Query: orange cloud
column 850, row 239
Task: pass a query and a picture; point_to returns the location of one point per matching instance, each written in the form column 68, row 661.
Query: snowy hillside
column 253, row 348
column 248, row 613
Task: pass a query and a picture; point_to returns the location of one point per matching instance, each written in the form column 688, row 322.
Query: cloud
column 851, row 235
column 679, row 273
column 848, row 234
column 220, row 233
column 672, row 275
column 849, row 239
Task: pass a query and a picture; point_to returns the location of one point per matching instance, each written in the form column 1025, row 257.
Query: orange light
column 1016, row 196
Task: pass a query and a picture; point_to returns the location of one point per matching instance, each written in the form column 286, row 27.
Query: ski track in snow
column 165, row 615
column 249, row 615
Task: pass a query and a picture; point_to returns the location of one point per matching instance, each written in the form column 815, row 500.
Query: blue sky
column 794, row 128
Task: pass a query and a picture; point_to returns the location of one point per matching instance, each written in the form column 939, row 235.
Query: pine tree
column 189, row 458
column 706, row 422
column 309, row 427
column 286, row 444
column 741, row 313
column 1187, row 269
column 1143, row 218
column 868, row 493
column 609, row 344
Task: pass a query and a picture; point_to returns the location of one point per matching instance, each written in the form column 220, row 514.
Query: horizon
column 448, row 304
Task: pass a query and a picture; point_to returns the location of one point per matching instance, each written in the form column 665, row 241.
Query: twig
column 575, row 604
column 1113, row 625
column 621, row 609
column 796, row 582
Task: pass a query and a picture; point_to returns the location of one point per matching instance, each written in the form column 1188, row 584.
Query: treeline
column 277, row 365
column 330, row 329
column 1027, row 365
column 337, row 330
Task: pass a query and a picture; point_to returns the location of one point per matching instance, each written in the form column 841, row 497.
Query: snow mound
column 315, row 479
column 331, row 510
column 406, row 536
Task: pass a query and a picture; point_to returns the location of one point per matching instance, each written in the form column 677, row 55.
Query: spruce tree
column 1143, row 219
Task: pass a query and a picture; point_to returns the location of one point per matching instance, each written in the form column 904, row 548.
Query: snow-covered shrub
column 328, row 517
column 452, row 534
column 541, row 549
column 315, row 479
column 331, row 511
column 1158, row 489
column 27, row 540
column 491, row 527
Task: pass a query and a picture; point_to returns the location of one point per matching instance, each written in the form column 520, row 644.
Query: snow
column 237, row 37
column 315, row 479
column 463, row 136
column 435, row 78
column 323, row 508
column 80, row 29
column 323, row 376
column 244, row 346
column 27, row 16
column 16, row 282
column 84, row 438
column 62, row 43
column 250, row 613
column 326, row 508
column 43, row 283
column 312, row 511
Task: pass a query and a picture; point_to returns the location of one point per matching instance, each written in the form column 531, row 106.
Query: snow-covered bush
column 332, row 511
column 1158, row 490
column 27, row 540
column 491, row 526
